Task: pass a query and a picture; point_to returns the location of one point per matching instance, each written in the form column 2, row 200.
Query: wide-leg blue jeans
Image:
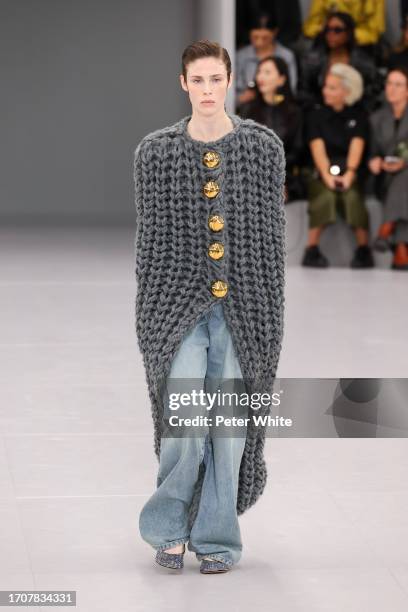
column 206, row 353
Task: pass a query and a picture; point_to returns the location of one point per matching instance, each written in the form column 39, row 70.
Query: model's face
column 268, row 78
column 336, row 33
column 334, row 94
column 396, row 88
column 207, row 85
column 261, row 38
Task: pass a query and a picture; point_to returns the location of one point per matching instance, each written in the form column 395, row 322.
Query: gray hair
column 351, row 80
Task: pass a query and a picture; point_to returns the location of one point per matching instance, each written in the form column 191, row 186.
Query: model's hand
column 393, row 166
column 246, row 96
column 375, row 164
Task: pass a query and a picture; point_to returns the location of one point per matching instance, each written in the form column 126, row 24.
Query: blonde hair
column 351, row 80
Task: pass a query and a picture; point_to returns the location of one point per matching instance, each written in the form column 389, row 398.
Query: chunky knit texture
column 174, row 271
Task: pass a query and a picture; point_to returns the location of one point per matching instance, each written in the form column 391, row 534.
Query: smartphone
column 391, row 159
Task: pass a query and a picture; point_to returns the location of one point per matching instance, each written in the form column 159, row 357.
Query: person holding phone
column 388, row 161
column 337, row 132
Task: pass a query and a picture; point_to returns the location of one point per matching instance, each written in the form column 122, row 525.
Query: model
column 210, row 265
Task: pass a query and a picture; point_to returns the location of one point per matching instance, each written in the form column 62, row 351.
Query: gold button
column 216, row 223
column 219, row 288
column 216, row 250
column 211, row 189
column 211, row 159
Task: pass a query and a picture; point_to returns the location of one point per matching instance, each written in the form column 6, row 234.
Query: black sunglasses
column 335, row 29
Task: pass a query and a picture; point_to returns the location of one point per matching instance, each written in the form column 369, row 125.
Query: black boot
column 362, row 258
column 314, row 258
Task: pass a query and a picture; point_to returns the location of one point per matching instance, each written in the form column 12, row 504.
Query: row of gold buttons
column 211, row 189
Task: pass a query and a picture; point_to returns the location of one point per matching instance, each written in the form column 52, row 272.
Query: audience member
column 399, row 57
column 336, row 44
column 262, row 34
column 287, row 14
column 369, row 16
column 337, row 132
column 389, row 161
column 275, row 107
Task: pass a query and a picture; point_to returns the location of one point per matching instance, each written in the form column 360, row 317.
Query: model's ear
column 183, row 83
column 231, row 79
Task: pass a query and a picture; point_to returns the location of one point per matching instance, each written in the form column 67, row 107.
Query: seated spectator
column 275, row 107
column 388, row 159
column 286, row 14
column 369, row 16
column 399, row 57
column 262, row 34
column 337, row 132
column 336, row 44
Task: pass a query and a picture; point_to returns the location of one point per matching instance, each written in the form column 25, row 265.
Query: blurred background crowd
column 335, row 90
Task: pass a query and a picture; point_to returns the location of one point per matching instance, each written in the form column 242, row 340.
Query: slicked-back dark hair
column 204, row 48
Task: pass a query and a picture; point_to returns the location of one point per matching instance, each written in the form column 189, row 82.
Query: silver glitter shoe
column 170, row 560
column 212, row 566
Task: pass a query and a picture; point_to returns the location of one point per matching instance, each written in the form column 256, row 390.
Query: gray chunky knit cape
column 174, row 271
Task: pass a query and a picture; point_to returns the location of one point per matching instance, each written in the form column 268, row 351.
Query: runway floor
column 330, row 532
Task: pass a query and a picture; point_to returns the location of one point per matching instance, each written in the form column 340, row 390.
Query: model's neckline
column 236, row 121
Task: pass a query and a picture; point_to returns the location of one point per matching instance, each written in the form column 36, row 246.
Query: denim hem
column 200, row 557
column 171, row 544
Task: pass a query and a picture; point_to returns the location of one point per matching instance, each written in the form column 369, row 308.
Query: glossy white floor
column 330, row 532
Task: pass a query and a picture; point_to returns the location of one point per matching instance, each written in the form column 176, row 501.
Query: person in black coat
column 336, row 44
column 275, row 107
column 286, row 13
column 399, row 57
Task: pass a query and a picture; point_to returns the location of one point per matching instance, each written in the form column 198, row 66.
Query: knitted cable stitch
column 174, row 271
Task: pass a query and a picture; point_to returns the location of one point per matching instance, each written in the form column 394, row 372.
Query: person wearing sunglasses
column 369, row 16
column 336, row 43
